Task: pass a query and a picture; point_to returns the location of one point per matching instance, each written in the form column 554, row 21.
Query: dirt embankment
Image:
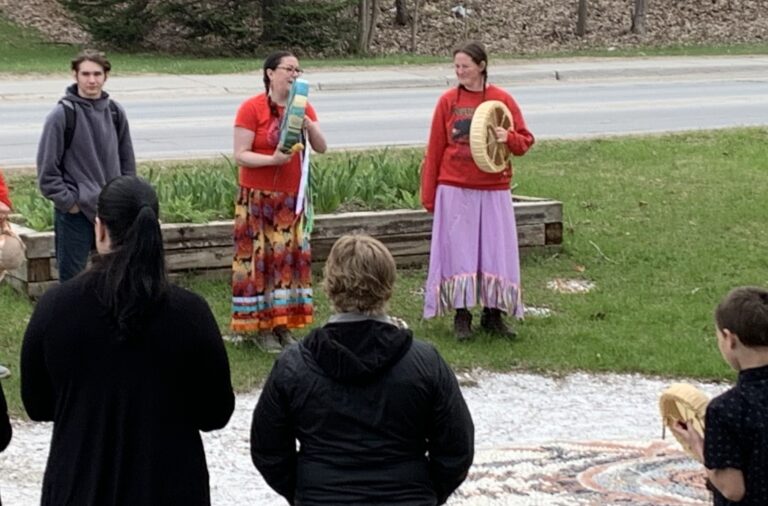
column 510, row 26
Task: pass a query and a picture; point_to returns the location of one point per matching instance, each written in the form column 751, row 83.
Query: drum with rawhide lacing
column 489, row 154
column 682, row 402
column 11, row 249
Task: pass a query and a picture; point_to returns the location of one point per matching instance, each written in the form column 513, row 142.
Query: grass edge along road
column 662, row 225
column 24, row 51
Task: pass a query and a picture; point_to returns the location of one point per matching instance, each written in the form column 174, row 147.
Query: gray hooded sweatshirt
column 97, row 154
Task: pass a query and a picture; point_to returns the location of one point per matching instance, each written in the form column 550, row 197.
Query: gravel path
column 579, row 439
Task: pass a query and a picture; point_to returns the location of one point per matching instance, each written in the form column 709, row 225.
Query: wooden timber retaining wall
column 207, row 248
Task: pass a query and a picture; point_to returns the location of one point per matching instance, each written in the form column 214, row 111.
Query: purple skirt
column 474, row 255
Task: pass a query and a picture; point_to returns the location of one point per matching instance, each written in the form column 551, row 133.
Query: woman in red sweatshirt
column 474, row 254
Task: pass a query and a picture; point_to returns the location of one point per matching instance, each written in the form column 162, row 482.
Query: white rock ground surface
column 509, row 410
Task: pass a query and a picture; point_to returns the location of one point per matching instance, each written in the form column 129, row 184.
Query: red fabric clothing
column 448, row 158
column 254, row 114
column 4, row 197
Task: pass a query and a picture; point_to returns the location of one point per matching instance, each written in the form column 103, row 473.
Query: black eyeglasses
column 291, row 70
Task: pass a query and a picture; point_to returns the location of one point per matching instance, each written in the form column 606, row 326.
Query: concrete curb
column 518, row 73
column 555, row 73
column 645, row 73
column 381, row 84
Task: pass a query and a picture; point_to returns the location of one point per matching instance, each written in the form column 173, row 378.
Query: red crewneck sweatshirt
column 448, row 158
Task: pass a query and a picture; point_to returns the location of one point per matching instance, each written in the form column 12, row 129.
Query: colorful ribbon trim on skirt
column 492, row 291
column 271, row 265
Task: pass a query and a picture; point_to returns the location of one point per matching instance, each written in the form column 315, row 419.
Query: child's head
column 744, row 312
column 359, row 275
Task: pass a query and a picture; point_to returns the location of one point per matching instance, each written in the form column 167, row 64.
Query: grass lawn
column 23, row 51
column 663, row 225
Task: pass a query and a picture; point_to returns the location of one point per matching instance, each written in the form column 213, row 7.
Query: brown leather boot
column 492, row 321
column 462, row 324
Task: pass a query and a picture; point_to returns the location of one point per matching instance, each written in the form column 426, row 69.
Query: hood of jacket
column 357, row 349
column 99, row 103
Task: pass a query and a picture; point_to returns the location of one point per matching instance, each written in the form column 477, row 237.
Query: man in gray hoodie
column 85, row 144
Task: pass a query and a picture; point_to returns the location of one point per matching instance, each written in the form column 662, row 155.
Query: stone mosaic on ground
column 576, row 440
column 590, row 473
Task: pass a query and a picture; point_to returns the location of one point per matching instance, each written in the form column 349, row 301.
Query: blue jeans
column 74, row 239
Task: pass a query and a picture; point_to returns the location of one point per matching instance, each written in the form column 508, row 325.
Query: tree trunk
column 402, row 18
column 638, row 17
column 415, row 24
column 367, row 17
column 363, row 25
column 581, row 23
column 372, row 26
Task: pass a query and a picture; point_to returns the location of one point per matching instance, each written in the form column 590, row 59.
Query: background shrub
column 223, row 26
column 311, row 26
column 122, row 24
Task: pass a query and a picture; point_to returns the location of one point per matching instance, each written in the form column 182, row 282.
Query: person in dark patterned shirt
column 734, row 449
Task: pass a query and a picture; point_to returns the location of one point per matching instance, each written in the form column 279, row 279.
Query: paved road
column 191, row 116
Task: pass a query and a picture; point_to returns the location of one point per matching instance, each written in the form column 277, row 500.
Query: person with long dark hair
column 129, row 368
column 271, row 267
column 474, row 253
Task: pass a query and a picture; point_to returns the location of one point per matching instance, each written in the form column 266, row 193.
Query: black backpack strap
column 70, row 120
column 115, row 111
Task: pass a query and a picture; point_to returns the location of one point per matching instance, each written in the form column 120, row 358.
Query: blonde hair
column 359, row 275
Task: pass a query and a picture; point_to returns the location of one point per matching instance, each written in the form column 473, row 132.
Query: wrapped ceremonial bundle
column 489, row 154
column 293, row 119
column 11, row 249
column 682, row 402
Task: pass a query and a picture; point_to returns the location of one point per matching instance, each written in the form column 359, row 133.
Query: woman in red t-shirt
column 271, row 269
column 474, row 255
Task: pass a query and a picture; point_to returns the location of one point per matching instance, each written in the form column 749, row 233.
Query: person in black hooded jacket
column 5, row 424
column 379, row 416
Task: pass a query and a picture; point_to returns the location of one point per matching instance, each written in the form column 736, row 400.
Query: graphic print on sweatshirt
column 461, row 120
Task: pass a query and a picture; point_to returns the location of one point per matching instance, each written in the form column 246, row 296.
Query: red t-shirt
column 254, row 114
column 448, row 159
column 4, row 197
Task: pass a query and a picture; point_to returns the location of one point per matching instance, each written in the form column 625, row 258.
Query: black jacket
column 127, row 414
column 5, row 424
column 379, row 416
